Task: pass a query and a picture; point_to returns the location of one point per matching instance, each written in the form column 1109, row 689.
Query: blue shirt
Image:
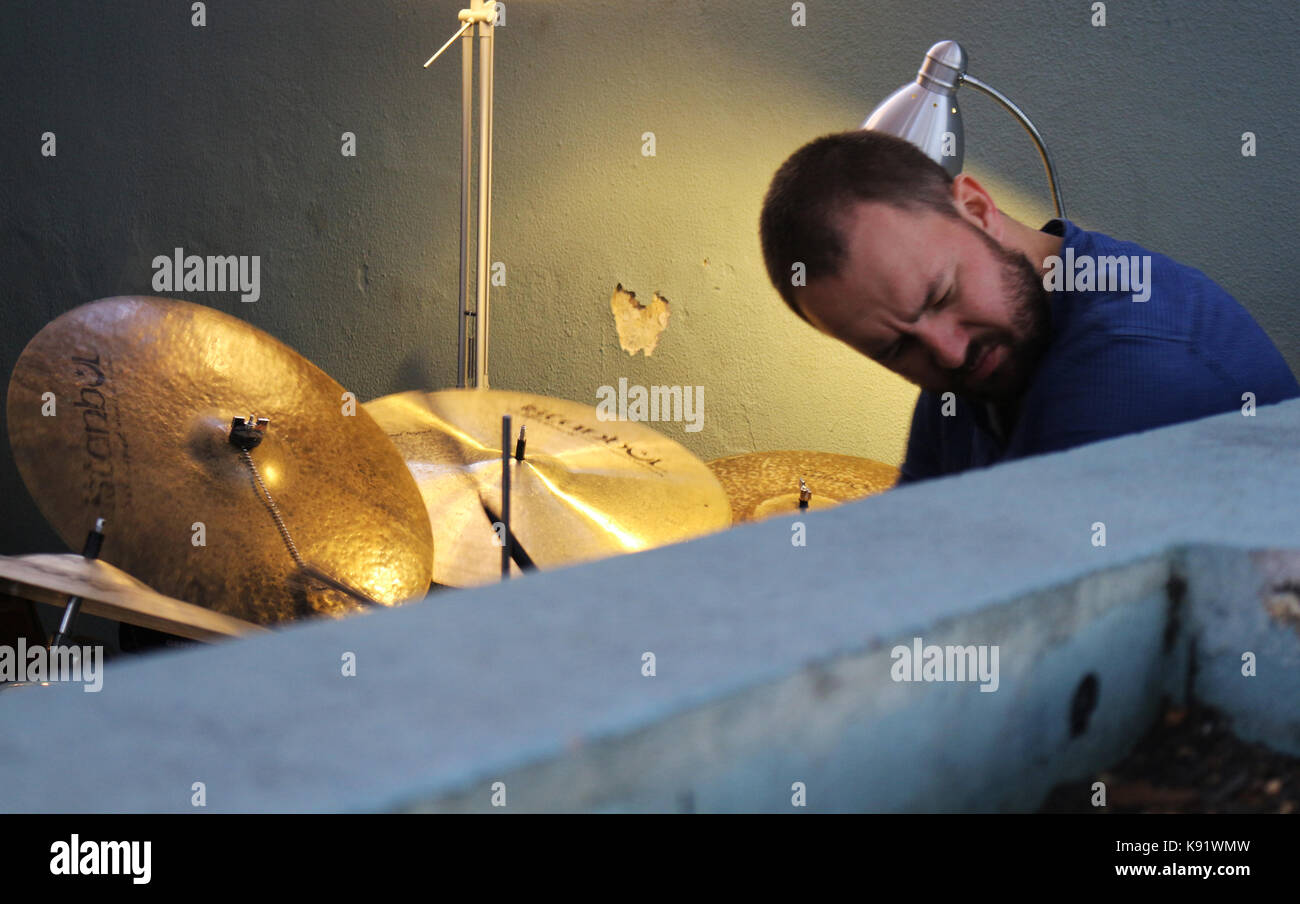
column 1112, row 366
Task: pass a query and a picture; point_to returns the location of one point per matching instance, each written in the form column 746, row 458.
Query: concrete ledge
column 1248, row 602
column 861, row 742
column 772, row 660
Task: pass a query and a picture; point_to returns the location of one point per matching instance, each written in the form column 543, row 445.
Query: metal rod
column 520, row 555
column 463, row 29
column 94, row 541
column 481, row 275
column 472, row 351
column 517, row 552
column 505, row 496
column 466, row 141
column 1033, row 133
column 306, row 569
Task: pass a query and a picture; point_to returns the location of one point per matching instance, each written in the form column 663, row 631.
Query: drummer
column 1023, row 341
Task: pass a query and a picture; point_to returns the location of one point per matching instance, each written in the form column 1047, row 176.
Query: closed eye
column 901, row 343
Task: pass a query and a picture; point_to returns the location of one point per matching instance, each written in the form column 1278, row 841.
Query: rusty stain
column 639, row 325
column 1280, row 590
column 1283, row 604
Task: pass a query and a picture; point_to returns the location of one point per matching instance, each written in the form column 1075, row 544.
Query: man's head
column 905, row 264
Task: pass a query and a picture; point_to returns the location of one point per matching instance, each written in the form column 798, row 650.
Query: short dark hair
column 809, row 195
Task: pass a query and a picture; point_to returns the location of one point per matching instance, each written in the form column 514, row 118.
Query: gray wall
column 225, row 140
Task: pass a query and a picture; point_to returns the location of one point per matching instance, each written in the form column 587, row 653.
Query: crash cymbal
column 762, row 484
column 122, row 409
column 586, row 488
column 109, row 592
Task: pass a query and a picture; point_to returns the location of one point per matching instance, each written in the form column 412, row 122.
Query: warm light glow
column 446, row 426
column 381, row 581
column 630, row 542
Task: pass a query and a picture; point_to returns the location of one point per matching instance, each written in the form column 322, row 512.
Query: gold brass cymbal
column 122, row 409
column 109, row 592
column 763, row 484
column 586, row 488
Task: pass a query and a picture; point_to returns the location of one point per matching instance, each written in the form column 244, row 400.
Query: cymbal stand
column 506, row 436
column 94, row 541
column 472, row 352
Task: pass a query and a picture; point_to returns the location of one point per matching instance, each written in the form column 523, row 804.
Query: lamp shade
column 925, row 111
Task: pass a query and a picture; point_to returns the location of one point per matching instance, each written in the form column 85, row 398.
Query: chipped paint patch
column 639, row 325
column 1283, row 605
column 1280, row 569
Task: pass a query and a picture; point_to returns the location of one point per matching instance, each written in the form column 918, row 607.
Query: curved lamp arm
column 1029, row 127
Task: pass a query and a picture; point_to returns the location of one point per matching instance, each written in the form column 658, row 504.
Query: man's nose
column 947, row 342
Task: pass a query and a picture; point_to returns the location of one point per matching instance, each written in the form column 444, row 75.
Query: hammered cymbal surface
column 763, row 484
column 121, row 409
column 586, row 489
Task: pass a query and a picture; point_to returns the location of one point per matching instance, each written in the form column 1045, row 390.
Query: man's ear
column 975, row 205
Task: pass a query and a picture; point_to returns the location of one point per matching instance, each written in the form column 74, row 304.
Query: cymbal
column 586, row 488
column 763, row 484
column 109, row 592
column 122, row 409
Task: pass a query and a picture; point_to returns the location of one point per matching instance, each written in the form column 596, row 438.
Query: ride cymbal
column 585, row 489
column 122, row 409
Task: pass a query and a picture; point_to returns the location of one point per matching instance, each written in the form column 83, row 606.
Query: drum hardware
column 245, row 435
column 506, row 539
column 109, row 592
column 183, row 520
column 572, row 488
column 579, row 488
column 94, row 540
column 512, row 550
column 518, row 554
column 760, row 484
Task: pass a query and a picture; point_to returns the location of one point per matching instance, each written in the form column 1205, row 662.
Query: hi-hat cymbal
column 122, row 409
column 763, row 484
column 586, row 488
column 109, row 592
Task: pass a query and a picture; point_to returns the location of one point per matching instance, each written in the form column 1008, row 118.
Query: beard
column 1030, row 309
